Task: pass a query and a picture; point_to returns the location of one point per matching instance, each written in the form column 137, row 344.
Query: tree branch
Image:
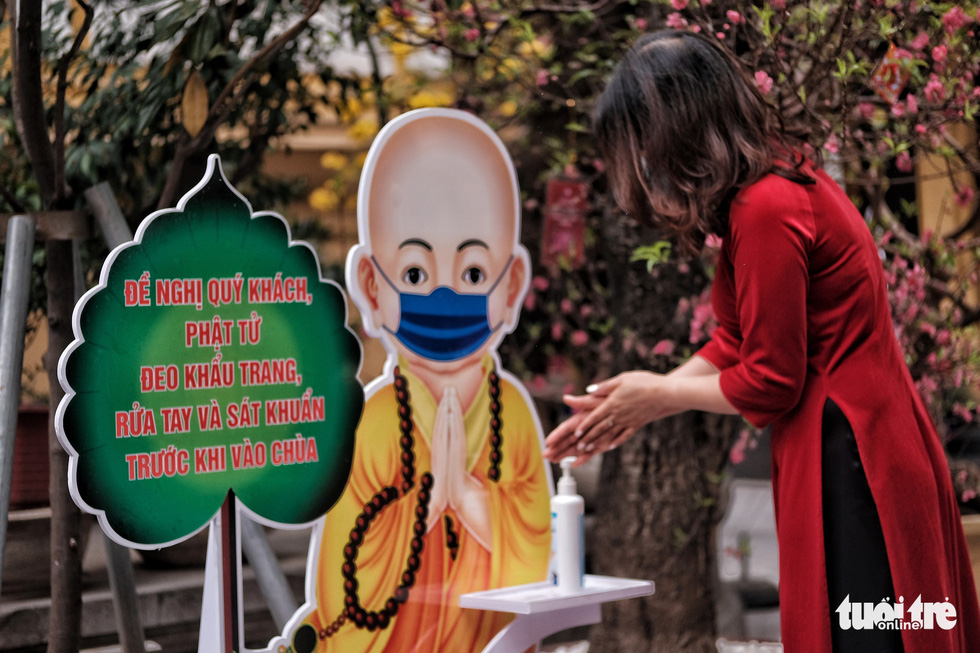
column 274, row 46
column 9, row 198
column 28, row 98
column 59, row 105
column 234, row 90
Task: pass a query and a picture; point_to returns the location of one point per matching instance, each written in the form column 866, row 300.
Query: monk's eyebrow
column 470, row 243
column 416, row 241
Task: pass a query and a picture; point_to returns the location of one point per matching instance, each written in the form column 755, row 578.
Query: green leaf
column 654, row 254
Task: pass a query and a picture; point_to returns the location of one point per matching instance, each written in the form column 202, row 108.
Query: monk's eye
column 474, row 275
column 414, row 276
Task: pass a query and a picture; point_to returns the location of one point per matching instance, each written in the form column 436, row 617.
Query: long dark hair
column 682, row 127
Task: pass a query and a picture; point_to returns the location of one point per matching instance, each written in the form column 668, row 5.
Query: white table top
column 536, row 598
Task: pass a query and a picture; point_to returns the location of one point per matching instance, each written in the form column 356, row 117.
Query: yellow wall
column 938, row 211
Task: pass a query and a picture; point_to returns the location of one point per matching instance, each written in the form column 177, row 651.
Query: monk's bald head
column 446, row 172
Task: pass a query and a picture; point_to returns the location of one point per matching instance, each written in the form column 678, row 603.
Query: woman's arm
column 693, row 366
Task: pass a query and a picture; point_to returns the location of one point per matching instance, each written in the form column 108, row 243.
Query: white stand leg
column 526, row 630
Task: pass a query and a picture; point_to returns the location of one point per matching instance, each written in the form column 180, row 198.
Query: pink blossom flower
column 734, row 16
column 904, row 162
column 541, row 78
column 963, row 412
column 920, row 42
column 955, row 18
column 968, row 495
column 737, row 453
column 920, row 129
column 764, row 81
column 579, row 338
column 599, row 165
column 471, row 34
column 939, row 53
column 585, row 311
column 779, row 5
column 912, row 104
column 676, row 21
column 720, row 36
column 713, row 241
column 898, row 109
column 566, row 306
column 696, row 29
column 641, row 24
column 867, row 110
column 538, row 382
column 530, row 301
column 964, row 196
column 663, row 348
column 831, row 144
column 702, row 318
column 540, row 283
column 556, row 331
column 705, row 3
column 679, row 4
column 934, row 90
column 468, row 11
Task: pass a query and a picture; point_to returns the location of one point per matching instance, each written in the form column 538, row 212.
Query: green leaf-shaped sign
column 211, row 357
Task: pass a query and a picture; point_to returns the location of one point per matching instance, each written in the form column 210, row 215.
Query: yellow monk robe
column 431, row 619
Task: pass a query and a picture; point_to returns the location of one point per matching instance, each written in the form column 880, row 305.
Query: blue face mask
column 443, row 325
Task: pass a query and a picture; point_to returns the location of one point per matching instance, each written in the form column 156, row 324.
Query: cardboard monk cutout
column 448, row 492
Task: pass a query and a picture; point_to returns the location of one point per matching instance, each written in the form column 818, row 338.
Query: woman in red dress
column 871, row 550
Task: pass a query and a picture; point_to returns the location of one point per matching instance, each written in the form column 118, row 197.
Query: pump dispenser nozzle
column 566, row 484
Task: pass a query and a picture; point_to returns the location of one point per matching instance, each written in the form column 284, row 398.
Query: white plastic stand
column 542, row 610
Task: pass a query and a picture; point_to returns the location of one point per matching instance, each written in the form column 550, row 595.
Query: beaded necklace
column 353, row 610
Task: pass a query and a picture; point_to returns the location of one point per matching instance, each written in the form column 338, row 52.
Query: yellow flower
column 507, row 108
column 353, row 109
column 333, row 161
column 360, row 159
column 386, row 18
column 363, row 129
column 401, row 50
column 429, row 98
column 535, row 47
column 509, row 68
column 324, row 199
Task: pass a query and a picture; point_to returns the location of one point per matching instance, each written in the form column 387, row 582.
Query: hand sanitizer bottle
column 567, row 512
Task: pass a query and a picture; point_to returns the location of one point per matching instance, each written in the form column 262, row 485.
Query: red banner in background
column 567, row 200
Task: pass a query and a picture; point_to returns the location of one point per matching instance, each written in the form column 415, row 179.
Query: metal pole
column 125, row 600
column 13, row 303
column 272, row 582
column 110, row 218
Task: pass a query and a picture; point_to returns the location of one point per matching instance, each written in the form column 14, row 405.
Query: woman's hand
column 612, row 412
